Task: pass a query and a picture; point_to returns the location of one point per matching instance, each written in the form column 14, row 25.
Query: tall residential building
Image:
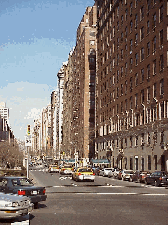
column 132, row 98
column 79, row 91
column 60, row 76
column 54, row 122
column 4, row 111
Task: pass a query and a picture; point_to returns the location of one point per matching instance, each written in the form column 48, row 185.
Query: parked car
column 113, row 173
column 82, row 174
column 157, row 178
column 143, row 175
column 66, row 170
column 12, row 206
column 104, row 172
column 125, row 174
column 23, row 186
column 135, row 176
column 53, row 168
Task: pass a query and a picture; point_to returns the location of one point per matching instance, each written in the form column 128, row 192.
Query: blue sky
column 35, row 39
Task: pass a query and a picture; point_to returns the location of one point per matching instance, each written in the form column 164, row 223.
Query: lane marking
column 121, row 194
column 107, row 193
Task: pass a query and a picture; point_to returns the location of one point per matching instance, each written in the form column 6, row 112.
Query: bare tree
column 10, row 155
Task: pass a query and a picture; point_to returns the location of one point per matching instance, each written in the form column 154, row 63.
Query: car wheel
column 146, row 182
column 156, row 183
column 130, row 179
column 139, row 181
column 36, row 205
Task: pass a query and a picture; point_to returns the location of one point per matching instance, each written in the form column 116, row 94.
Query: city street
column 105, row 201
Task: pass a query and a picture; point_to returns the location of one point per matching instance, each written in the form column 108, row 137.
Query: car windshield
column 129, row 172
column 66, row 166
column 85, row 170
column 22, row 182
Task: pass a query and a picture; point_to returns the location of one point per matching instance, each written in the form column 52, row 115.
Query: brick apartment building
column 132, row 78
column 79, row 91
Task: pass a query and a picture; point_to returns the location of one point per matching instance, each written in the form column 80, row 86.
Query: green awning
column 100, row 161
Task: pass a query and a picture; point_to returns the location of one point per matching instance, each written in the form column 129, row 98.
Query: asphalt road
column 105, row 201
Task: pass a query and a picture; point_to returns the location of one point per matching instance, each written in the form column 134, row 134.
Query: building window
column 136, row 59
column 126, row 14
column 126, row 104
column 142, row 33
column 136, row 39
column 155, row 160
column 154, row 90
column 148, row 5
column 121, row 89
column 148, row 94
column 142, row 96
column 154, row 20
column 148, row 49
column 136, row 100
column 131, row 61
column 121, row 107
column 148, row 27
column 131, row 105
column 161, row 14
column 148, row 138
column 122, row 71
column 131, row 26
column 126, row 66
column 142, row 54
column 161, row 64
column 126, row 32
column 148, row 72
column 136, row 79
column 125, row 87
column 118, row 26
column 131, row 163
column 142, row 139
column 131, row 46
column 161, row 87
column 130, row 84
column 154, row 44
column 131, row 6
column 141, row 13
column 142, row 74
column 154, row 67
column 149, row 162
column 136, row 20
column 130, row 141
column 136, row 140
column 161, row 38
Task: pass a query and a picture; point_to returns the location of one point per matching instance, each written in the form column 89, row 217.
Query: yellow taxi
column 66, row 170
column 83, row 173
column 53, row 168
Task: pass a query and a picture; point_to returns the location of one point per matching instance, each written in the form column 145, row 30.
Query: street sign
column 28, row 140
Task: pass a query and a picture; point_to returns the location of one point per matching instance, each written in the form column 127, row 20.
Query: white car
column 125, row 174
column 13, row 205
column 104, row 172
column 114, row 173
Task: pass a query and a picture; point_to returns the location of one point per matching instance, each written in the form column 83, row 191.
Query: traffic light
column 28, row 129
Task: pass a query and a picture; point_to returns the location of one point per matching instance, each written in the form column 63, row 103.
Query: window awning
column 100, row 161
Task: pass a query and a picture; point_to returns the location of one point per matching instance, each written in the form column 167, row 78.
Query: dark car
column 135, row 176
column 157, row 178
column 23, row 186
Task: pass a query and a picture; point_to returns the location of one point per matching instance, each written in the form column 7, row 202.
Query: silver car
column 13, row 205
column 104, row 172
